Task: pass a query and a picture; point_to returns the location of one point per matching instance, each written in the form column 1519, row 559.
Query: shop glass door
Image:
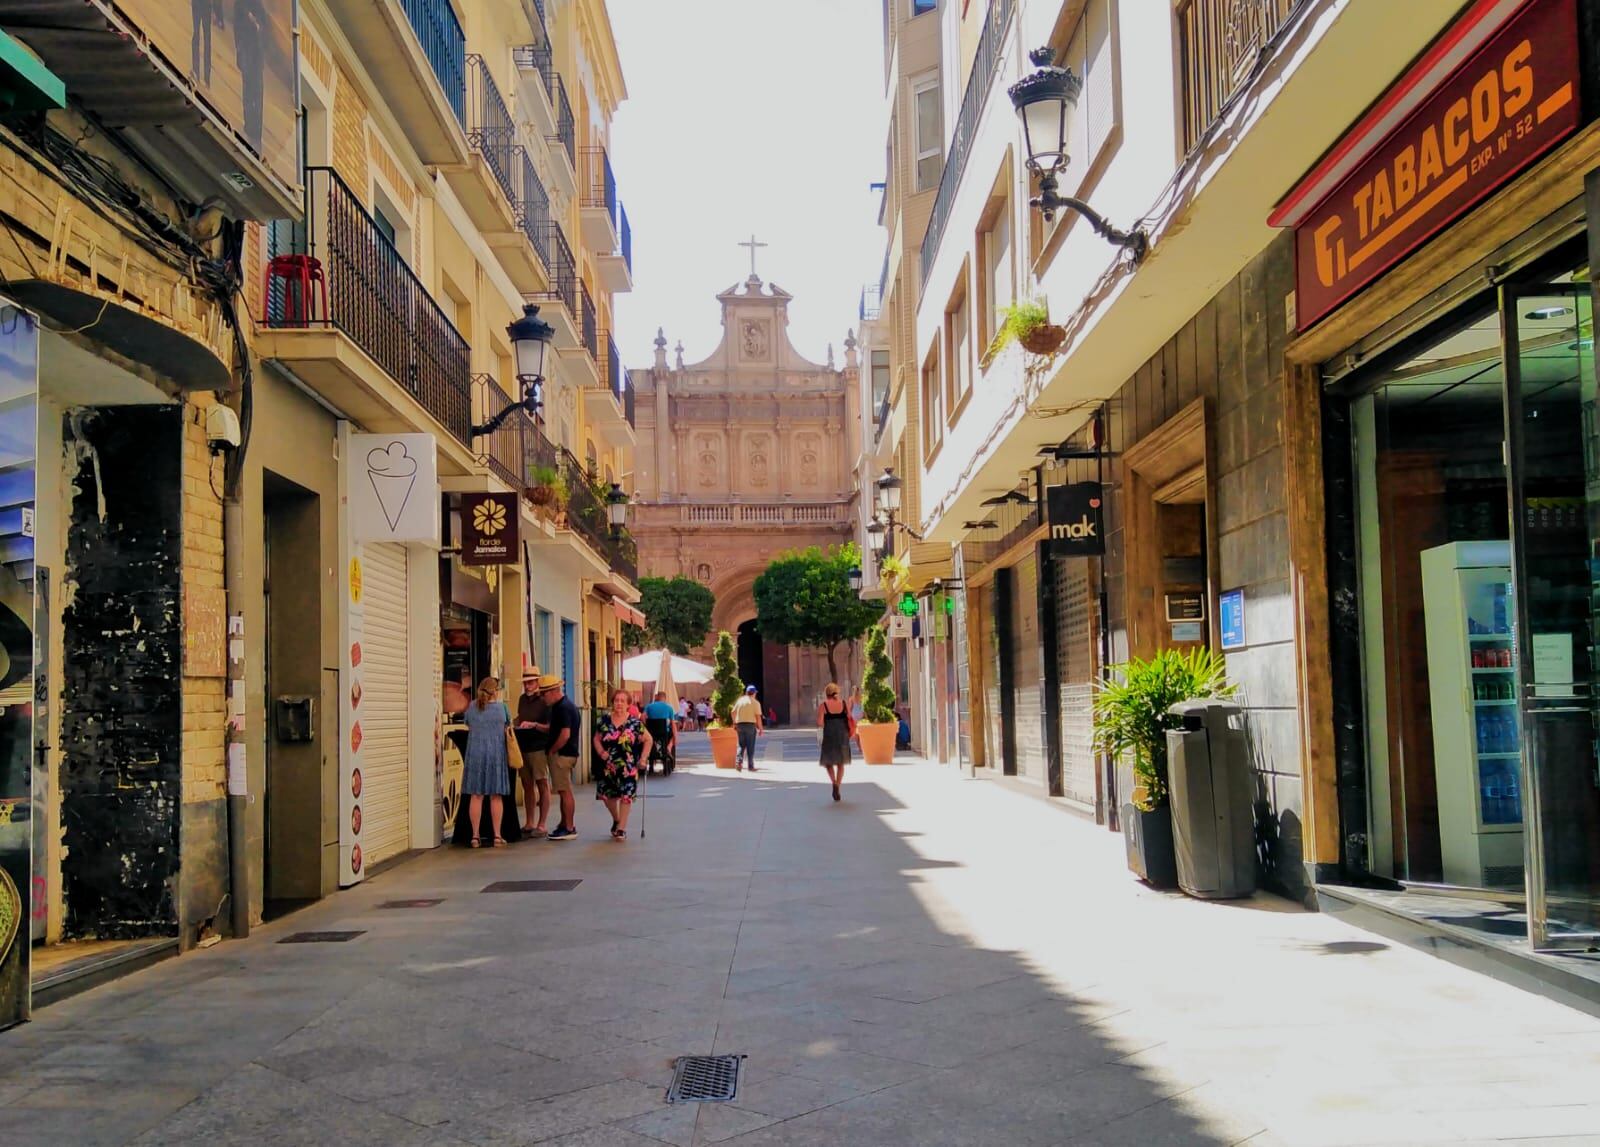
column 1553, row 428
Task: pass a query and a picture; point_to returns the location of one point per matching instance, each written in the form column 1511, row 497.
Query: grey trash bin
column 1213, row 818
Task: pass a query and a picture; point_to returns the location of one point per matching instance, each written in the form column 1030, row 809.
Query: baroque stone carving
column 754, row 340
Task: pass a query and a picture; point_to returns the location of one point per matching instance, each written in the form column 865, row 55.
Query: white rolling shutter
column 385, row 744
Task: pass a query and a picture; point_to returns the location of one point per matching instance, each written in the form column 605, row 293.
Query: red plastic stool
column 303, row 282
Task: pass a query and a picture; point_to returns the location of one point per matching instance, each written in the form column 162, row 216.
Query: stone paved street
column 934, row 961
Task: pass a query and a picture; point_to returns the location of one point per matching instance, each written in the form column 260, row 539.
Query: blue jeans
column 747, row 743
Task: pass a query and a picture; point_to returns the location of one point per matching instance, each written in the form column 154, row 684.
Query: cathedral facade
column 742, row 456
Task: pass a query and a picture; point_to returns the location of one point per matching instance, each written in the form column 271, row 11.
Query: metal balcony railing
column 591, row 322
column 503, row 451
column 626, row 233
column 599, row 181
column 491, row 132
column 991, row 45
column 611, row 367
column 1219, row 42
column 566, row 127
column 445, row 46
column 563, row 269
column 538, row 452
column 538, row 58
column 373, row 297
column 871, row 302
column 533, row 208
column 628, row 397
column 587, row 517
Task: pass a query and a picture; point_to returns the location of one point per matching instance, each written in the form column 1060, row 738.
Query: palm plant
column 1132, row 711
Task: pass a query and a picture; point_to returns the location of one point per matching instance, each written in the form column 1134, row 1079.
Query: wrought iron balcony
column 491, row 132
column 538, row 452
column 628, row 397
column 445, row 46
column 871, row 302
column 504, row 450
column 600, row 182
column 563, row 286
column 566, row 127
column 535, row 204
column 587, row 517
column 627, row 237
column 338, row 271
column 590, row 329
column 540, row 60
column 991, row 44
column 1219, row 42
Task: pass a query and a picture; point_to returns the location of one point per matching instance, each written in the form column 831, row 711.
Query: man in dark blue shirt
column 566, row 741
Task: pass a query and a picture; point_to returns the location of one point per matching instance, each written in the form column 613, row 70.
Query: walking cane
column 643, row 794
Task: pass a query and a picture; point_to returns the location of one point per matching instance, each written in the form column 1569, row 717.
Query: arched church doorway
column 766, row 666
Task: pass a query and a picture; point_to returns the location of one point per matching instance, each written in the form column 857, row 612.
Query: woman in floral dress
column 620, row 743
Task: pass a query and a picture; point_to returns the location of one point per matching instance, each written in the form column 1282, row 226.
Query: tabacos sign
column 1076, row 528
column 1486, row 119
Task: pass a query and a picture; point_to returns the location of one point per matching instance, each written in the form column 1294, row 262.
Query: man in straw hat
column 566, row 741
column 533, row 738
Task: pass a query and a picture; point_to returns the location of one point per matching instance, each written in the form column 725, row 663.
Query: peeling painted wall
column 121, row 717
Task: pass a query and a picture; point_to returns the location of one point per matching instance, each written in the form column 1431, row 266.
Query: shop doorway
column 292, row 796
column 1477, row 473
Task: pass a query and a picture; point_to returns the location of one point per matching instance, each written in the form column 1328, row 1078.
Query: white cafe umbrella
column 665, row 671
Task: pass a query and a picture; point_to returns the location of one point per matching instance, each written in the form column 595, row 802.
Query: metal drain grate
column 409, row 903
column 532, row 886
column 321, row 937
column 704, row 1078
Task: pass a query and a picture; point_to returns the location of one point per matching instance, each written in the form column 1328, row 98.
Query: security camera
column 222, row 429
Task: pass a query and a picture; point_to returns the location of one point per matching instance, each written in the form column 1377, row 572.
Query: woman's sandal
column 476, row 843
column 500, row 842
column 619, row 834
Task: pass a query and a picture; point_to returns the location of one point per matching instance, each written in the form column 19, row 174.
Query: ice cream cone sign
column 392, row 472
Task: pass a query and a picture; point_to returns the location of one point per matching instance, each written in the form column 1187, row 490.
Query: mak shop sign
column 1418, row 162
column 1074, row 517
column 489, row 534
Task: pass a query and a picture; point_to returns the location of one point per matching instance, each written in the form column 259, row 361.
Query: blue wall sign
column 1230, row 615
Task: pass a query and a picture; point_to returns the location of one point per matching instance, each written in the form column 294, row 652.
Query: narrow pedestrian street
column 888, row 965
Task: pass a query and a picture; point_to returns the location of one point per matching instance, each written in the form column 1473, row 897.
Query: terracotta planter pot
column 1046, row 339
column 877, row 741
column 724, row 747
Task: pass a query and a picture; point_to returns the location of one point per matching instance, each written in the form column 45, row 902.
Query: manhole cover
column 704, row 1078
column 532, row 886
column 409, row 903
column 320, row 937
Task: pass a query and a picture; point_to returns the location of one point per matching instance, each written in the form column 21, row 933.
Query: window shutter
column 1099, row 95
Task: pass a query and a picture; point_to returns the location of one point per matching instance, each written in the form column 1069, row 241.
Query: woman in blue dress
column 620, row 742
column 487, row 772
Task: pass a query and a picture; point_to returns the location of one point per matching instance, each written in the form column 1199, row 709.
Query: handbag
column 513, row 750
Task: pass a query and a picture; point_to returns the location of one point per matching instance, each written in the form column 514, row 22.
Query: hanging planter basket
column 541, row 495
column 1046, row 338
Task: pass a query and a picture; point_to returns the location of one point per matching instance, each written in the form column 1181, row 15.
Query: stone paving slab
column 933, row 961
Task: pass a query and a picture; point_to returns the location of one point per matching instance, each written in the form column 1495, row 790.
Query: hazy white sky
column 748, row 116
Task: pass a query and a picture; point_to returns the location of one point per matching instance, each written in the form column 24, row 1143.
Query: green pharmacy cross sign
column 908, row 605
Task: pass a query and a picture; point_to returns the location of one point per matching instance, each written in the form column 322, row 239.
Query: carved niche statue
column 706, row 448
column 759, row 468
column 753, row 342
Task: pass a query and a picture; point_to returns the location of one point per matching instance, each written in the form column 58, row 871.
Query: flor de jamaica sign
column 1487, row 99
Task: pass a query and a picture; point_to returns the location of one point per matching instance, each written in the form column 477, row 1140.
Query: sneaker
column 563, row 834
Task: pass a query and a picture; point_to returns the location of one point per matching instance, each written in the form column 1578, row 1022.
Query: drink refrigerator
column 1472, row 684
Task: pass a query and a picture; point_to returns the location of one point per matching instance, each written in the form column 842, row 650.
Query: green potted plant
column 725, row 672
column 546, row 487
column 1132, row 713
column 1027, row 321
column 879, row 722
column 893, row 573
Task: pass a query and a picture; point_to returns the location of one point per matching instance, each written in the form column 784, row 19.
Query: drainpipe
column 233, row 582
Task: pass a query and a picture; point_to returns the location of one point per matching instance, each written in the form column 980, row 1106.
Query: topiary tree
column 877, row 702
column 677, row 614
column 804, row 598
column 725, row 668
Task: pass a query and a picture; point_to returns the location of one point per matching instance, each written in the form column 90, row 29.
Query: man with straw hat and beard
column 533, row 738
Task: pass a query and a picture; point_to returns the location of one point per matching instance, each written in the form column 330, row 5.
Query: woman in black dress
column 838, row 726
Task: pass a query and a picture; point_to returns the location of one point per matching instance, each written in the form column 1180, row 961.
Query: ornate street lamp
column 1045, row 100
column 616, row 509
column 530, row 336
column 889, row 488
column 856, row 578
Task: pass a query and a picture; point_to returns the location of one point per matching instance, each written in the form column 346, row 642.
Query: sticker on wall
column 1230, row 618
column 352, row 815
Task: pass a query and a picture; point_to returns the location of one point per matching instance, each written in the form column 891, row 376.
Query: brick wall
column 350, row 135
column 204, row 698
